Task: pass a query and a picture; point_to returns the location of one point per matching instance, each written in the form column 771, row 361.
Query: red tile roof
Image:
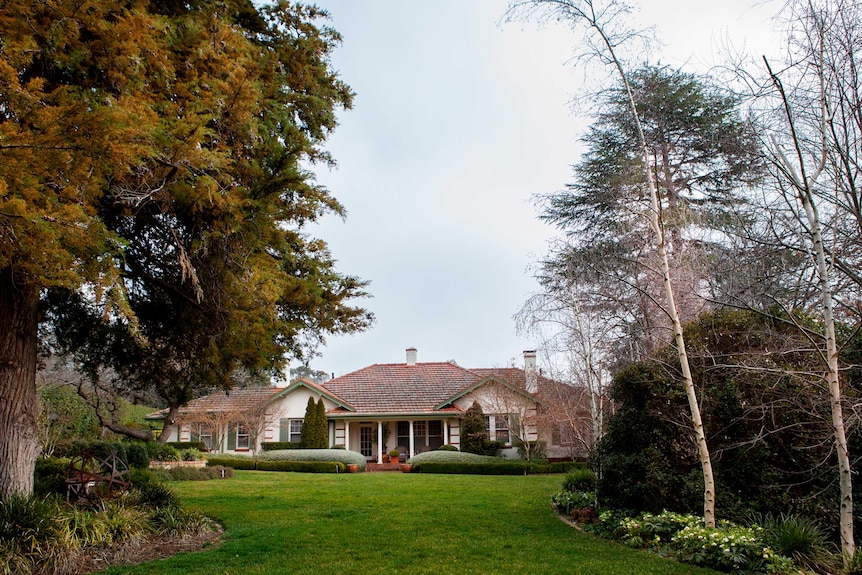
column 401, row 388
column 234, row 400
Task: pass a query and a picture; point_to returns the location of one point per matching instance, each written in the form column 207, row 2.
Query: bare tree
column 602, row 21
column 813, row 142
column 577, row 339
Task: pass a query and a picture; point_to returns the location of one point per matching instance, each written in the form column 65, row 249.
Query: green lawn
column 394, row 523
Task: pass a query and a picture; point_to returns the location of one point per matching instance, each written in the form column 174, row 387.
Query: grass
column 394, row 523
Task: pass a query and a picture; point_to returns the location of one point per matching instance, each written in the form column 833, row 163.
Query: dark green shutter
column 231, row 437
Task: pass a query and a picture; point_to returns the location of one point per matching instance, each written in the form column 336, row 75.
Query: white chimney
column 411, row 356
column 530, row 371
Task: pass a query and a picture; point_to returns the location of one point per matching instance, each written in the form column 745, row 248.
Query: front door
column 366, row 432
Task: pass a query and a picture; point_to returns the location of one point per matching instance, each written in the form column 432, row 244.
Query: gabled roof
column 302, row 382
column 399, row 388
column 489, row 379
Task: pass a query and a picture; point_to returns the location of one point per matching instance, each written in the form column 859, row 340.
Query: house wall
column 291, row 406
column 498, row 400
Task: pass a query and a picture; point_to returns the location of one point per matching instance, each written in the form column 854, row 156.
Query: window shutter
column 231, row 437
column 284, row 429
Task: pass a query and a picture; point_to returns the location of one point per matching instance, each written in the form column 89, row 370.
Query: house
column 412, row 406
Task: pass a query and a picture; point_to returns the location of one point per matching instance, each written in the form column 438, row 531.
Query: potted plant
column 406, row 468
column 394, row 455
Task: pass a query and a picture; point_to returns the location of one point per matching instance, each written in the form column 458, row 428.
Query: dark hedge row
column 501, row 468
column 298, row 466
column 276, row 445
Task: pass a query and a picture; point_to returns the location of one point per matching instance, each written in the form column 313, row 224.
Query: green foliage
column 137, row 455
column 496, row 467
column 279, row 445
column 727, row 547
column 344, row 456
column 64, row 417
column 799, row 538
column 447, row 447
column 579, row 479
column 154, row 172
column 565, row 501
column 162, row 452
column 763, row 420
column 304, row 466
column 321, row 436
column 49, row 476
column 194, row 473
column 153, row 494
column 473, row 430
column 473, row 435
column 181, row 445
column 310, row 435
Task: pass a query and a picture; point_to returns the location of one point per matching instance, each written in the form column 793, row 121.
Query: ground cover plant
column 387, row 523
column 48, row 535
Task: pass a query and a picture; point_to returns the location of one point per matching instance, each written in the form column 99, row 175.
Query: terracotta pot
column 385, row 459
column 352, row 468
column 406, row 468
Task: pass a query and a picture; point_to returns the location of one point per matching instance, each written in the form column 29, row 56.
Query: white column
column 379, row 442
column 411, row 438
column 445, row 432
column 347, row 434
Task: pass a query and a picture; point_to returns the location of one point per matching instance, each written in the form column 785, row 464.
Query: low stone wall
column 173, row 464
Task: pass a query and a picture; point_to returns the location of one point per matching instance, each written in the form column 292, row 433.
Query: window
column 295, row 430
column 488, row 427
column 241, row 436
column 205, row 435
column 501, row 429
column 420, row 435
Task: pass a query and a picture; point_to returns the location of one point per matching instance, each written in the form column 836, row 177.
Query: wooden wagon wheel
column 92, row 476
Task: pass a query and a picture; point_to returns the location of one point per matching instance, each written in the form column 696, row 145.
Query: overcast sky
column 459, row 121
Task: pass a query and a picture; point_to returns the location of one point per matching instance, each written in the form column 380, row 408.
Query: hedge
column 274, row 445
column 502, row 467
column 298, row 466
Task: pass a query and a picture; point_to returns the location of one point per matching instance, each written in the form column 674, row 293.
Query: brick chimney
column 411, row 356
column 530, row 371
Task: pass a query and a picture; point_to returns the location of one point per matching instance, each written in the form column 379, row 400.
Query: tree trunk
column 19, row 437
column 170, row 424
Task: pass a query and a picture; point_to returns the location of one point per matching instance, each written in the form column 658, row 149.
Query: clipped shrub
column 137, row 455
column 580, row 479
column 446, row 456
column 447, row 447
column 279, row 445
column 497, row 467
column 279, row 465
column 194, row 473
column 344, row 456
